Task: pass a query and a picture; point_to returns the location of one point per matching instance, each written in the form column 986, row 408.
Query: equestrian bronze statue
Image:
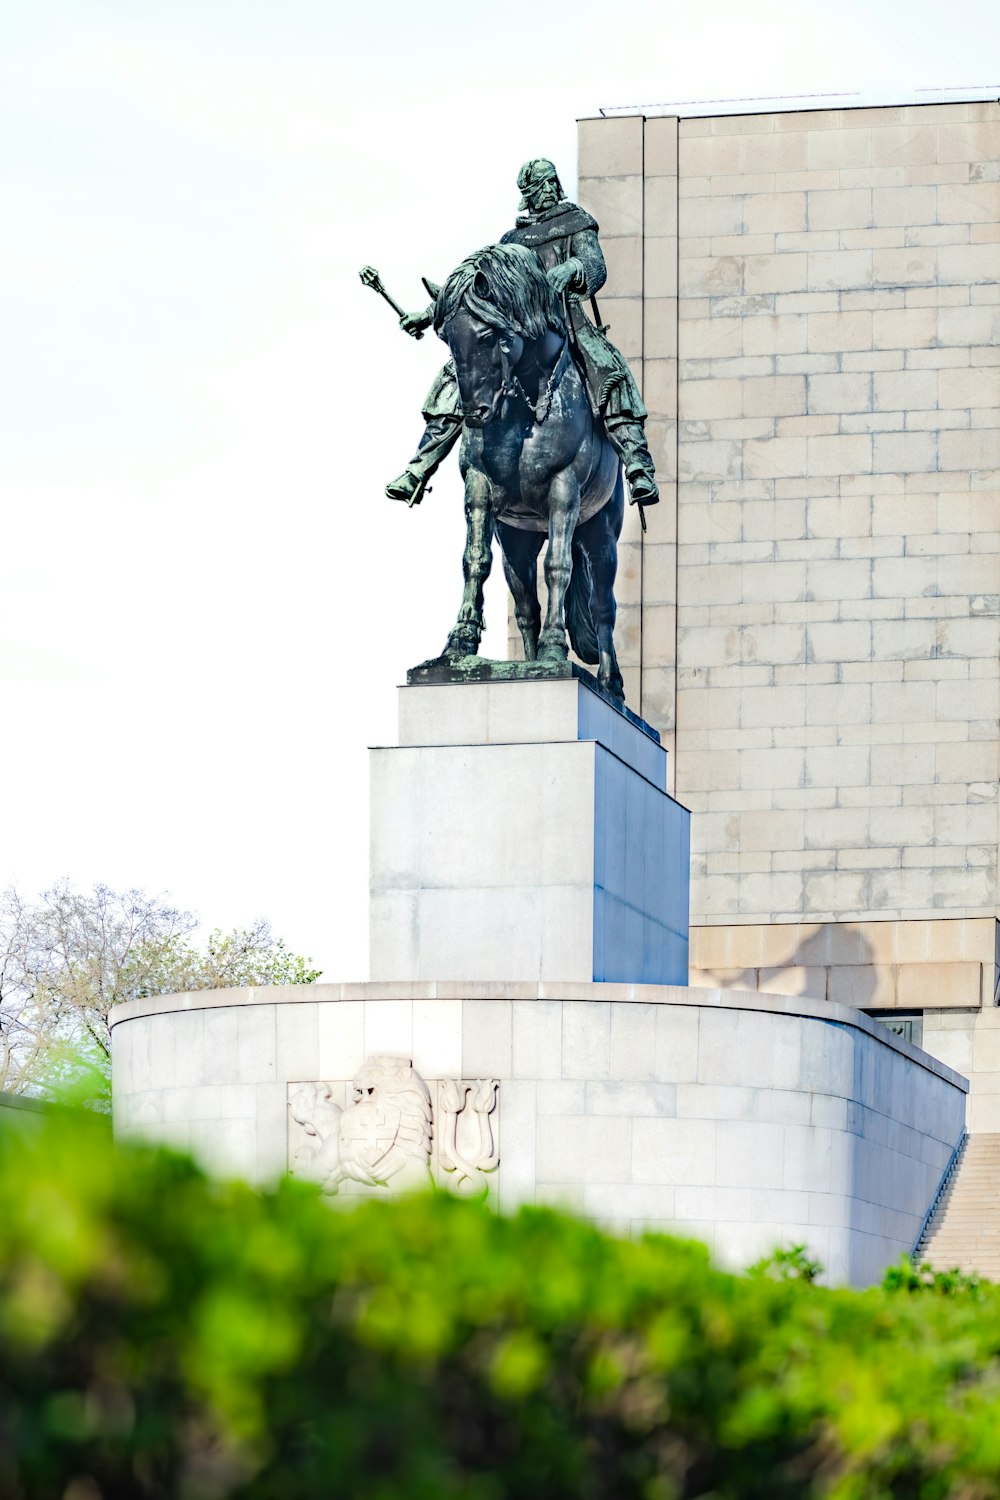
column 548, row 414
column 535, row 461
column 564, row 237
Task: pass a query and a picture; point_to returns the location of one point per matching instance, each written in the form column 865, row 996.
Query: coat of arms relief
column 390, row 1126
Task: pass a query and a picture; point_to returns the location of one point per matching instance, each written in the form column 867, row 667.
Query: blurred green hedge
column 162, row 1335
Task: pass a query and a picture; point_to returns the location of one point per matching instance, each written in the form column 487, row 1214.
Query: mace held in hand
column 371, row 278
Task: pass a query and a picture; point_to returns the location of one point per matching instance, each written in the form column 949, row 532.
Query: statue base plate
column 444, row 670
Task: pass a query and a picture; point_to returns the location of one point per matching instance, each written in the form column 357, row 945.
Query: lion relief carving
column 385, row 1131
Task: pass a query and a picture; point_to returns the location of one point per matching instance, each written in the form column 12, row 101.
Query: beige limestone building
column 812, row 302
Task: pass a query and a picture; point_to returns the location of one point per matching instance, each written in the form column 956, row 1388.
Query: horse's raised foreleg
column 564, row 509
column 520, row 565
column 477, row 559
column 600, row 538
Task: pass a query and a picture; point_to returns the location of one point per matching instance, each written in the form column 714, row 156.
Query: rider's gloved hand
column 414, row 323
column 568, row 274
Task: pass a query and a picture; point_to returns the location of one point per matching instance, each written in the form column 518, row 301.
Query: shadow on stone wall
column 834, row 961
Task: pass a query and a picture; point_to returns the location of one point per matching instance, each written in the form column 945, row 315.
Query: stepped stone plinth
column 522, row 830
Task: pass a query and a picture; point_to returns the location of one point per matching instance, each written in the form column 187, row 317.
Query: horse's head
column 484, row 356
column 494, row 305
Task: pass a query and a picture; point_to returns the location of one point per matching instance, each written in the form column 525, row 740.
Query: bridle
column 510, row 385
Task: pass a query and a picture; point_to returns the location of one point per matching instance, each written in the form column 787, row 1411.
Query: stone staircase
column 964, row 1229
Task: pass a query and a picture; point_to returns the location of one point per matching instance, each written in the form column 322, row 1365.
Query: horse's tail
column 580, row 608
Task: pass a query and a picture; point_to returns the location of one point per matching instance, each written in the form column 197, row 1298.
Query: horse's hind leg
column 520, row 565
column 599, row 538
column 477, row 559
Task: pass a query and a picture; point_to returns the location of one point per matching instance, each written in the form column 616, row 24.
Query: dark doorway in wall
column 910, row 1026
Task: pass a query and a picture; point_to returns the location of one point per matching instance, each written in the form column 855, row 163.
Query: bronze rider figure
column 564, row 237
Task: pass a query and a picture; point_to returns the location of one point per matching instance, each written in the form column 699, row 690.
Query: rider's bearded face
column 542, row 193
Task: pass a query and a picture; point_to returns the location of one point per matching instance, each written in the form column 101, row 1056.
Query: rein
column 511, row 386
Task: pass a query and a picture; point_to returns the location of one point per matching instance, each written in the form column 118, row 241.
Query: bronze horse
column 536, row 463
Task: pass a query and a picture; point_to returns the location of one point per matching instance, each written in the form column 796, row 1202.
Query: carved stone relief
column 389, row 1124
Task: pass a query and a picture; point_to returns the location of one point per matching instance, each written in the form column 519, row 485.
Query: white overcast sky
column 206, row 600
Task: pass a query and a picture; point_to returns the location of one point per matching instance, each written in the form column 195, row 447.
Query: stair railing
column 947, row 1175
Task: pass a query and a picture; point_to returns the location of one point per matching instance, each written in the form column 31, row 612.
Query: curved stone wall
column 743, row 1119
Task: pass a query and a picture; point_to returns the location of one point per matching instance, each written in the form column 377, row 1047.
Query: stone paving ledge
column 596, row 993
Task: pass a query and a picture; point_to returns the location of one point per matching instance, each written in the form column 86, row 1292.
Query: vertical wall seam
column 642, row 357
column 677, row 435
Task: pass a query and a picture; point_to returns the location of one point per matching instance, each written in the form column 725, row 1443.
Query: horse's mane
column 506, row 287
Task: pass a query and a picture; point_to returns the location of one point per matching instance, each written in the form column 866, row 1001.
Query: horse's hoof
column 552, row 647
column 446, row 659
column 461, row 642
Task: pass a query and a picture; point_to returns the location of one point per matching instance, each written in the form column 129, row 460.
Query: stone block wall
column 20, row 1113
column 813, row 299
column 745, row 1120
column 946, row 963
column 628, row 181
column 969, row 1041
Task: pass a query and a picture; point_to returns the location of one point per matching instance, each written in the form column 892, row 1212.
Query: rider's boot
column 628, row 438
column 437, row 442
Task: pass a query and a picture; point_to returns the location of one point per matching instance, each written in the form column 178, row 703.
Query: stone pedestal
column 522, row 830
column 524, row 847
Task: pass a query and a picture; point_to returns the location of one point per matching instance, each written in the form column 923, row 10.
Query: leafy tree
column 247, row 955
column 67, row 959
column 162, row 1334
column 788, row 1263
column 24, row 1038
